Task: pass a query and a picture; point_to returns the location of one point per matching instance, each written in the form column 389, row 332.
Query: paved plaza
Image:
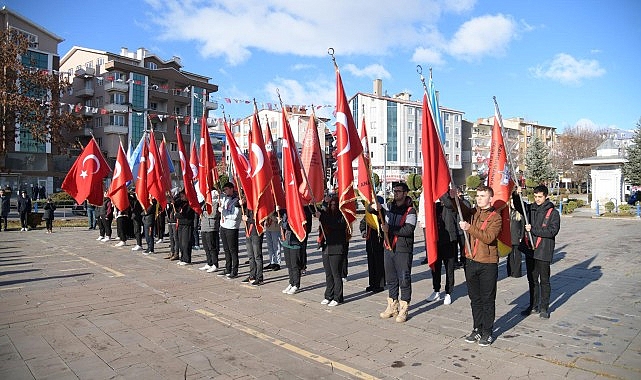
column 75, row 308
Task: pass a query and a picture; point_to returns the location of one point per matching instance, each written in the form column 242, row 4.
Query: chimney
column 124, row 51
column 378, row 87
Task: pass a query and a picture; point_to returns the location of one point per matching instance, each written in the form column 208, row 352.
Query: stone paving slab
column 73, row 307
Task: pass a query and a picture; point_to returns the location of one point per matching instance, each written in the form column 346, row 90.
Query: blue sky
column 557, row 62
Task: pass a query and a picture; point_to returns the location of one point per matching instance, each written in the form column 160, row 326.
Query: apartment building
column 394, row 130
column 28, row 162
column 122, row 95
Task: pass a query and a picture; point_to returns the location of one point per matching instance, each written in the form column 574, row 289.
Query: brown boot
column 402, row 311
column 392, row 309
column 174, row 258
column 169, row 256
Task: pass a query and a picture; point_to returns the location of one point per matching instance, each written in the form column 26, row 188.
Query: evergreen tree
column 632, row 168
column 538, row 161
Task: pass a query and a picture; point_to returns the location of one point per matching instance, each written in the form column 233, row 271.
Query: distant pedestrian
column 24, row 209
column 47, row 215
column 5, row 206
column 91, row 215
column 272, row 236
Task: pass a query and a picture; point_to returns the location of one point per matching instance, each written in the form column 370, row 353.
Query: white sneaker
column 448, row 299
column 333, row 303
column 204, row 267
column 147, row 253
column 182, row 263
column 159, row 241
column 136, row 248
column 100, row 238
column 286, row 290
column 435, row 296
column 107, row 238
column 121, row 244
column 292, row 290
column 324, row 302
column 212, row 269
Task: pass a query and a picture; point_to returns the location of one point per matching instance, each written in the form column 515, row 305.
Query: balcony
column 116, row 86
column 87, row 72
column 86, row 131
column 117, row 108
column 84, row 92
column 211, row 105
column 116, row 129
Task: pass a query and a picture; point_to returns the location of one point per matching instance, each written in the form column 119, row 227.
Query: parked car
column 79, row 209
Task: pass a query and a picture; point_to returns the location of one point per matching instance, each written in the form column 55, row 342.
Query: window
column 177, row 111
column 447, row 156
column 118, row 76
column 410, row 154
column 447, row 130
column 173, row 147
column 446, row 116
column 99, row 140
column 153, row 106
column 97, row 122
column 89, row 65
column 373, row 139
column 456, row 131
column 410, row 125
column 117, row 120
column 79, row 67
column 410, row 111
column 100, row 61
column 458, row 158
column 117, row 98
column 151, row 65
column 372, row 125
column 371, row 154
column 456, row 117
column 99, row 101
column 410, row 139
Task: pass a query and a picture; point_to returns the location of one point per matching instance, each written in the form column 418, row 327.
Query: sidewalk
column 75, row 308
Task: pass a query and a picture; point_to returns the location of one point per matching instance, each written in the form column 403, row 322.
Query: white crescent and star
column 242, row 156
column 341, row 119
column 151, row 163
column 183, row 163
column 117, row 171
column 83, row 173
column 260, row 160
column 201, row 144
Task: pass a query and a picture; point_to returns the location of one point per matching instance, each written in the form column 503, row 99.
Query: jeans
column 91, row 216
column 255, row 254
column 538, row 279
column 398, row 272
column 481, row 288
column 273, row 246
column 149, row 236
column 230, row 246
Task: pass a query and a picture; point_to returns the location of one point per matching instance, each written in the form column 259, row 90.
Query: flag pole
column 279, row 174
column 419, row 69
column 510, row 163
column 241, row 191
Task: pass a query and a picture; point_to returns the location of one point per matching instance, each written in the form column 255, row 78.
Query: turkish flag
column 277, row 177
column 155, row 181
column 193, row 160
column 164, row 158
column 312, row 162
column 293, row 201
column 261, row 176
column 207, row 165
column 142, row 192
column 364, row 183
column 500, row 180
column 122, row 174
column 241, row 166
column 84, row 180
column 436, row 180
column 348, row 147
column 188, row 181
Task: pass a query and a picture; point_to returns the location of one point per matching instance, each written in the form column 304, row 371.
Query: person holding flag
column 230, row 221
column 373, row 235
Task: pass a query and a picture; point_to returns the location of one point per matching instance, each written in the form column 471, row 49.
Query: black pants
column 344, row 264
column 375, row 264
column 24, row 219
column 398, row 273
column 185, row 240
column 104, row 225
column 449, row 274
column 293, row 261
column 255, row 254
column 137, row 223
column 49, row 224
column 173, row 238
column 481, row 287
column 538, row 279
column 513, row 262
column 196, row 232
column 461, row 247
column 211, row 245
column 3, row 219
column 160, row 225
column 333, row 265
column 230, row 246
column 122, row 227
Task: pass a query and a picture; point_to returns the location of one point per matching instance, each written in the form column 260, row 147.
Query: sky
column 560, row 63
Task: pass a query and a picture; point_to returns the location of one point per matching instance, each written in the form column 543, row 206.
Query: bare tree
column 576, row 143
column 29, row 96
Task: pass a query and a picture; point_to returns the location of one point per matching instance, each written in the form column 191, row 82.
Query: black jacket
column 335, row 230
column 536, row 216
column 401, row 231
column 49, row 208
column 24, row 204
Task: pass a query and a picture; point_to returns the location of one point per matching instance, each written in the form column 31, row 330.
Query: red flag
column 155, row 181
column 364, row 183
column 263, row 198
column 142, row 191
column 241, row 165
column 207, row 165
column 293, row 202
column 348, row 147
column 312, row 161
column 84, row 180
column 499, row 179
column 277, row 178
column 188, row 181
column 122, row 174
column 193, row 160
column 164, row 158
column 436, row 180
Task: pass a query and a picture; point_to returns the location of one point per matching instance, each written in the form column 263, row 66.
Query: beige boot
column 402, row 312
column 392, row 309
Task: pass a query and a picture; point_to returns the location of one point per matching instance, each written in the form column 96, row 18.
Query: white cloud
column 374, row 71
column 427, row 56
column 302, row 66
column 568, row 70
column 485, row 35
column 319, row 92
